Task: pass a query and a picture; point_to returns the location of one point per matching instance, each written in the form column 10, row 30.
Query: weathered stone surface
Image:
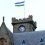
column 29, row 24
column 6, row 34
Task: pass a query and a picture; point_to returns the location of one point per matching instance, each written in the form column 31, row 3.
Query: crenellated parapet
column 30, row 18
column 27, row 22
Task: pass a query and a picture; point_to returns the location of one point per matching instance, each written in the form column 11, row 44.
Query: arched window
column 3, row 41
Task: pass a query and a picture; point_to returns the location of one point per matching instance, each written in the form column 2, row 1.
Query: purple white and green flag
column 19, row 4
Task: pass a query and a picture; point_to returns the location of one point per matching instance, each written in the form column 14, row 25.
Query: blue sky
column 32, row 7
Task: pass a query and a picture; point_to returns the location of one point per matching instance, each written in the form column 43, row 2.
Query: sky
column 36, row 8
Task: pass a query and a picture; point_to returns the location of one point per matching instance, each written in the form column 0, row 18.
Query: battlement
column 24, row 20
column 30, row 18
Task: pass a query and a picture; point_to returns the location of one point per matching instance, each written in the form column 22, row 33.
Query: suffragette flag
column 19, row 4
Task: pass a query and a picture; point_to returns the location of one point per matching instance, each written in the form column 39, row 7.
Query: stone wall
column 29, row 24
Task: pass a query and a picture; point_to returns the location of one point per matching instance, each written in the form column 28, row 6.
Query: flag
column 19, row 3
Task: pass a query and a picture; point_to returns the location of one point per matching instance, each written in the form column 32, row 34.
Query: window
column 41, row 40
column 21, row 28
column 23, row 42
column 3, row 41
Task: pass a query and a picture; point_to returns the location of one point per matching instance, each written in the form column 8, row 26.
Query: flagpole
column 24, row 8
column 18, row 4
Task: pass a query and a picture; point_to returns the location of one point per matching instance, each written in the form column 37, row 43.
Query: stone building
column 23, row 33
column 6, row 36
column 23, row 25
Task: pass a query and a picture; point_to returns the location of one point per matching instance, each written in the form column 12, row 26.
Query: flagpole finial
column 3, row 18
